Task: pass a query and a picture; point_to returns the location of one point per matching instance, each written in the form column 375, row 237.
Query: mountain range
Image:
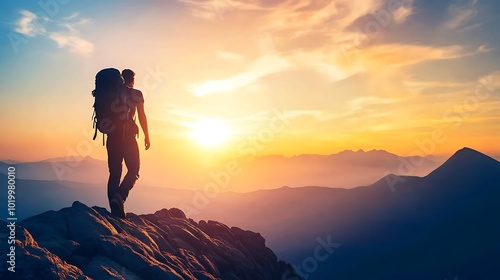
column 60, row 169
column 444, row 225
column 346, row 169
column 440, row 226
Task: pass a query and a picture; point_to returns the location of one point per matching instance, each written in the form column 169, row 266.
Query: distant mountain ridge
column 89, row 243
column 443, row 225
column 61, row 169
column 439, row 226
column 346, row 169
column 348, row 157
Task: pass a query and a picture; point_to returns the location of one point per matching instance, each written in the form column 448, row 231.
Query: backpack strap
column 94, row 125
column 132, row 118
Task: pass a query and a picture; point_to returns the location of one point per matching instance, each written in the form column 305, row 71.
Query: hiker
column 121, row 129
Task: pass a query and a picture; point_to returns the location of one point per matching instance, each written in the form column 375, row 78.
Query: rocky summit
column 81, row 242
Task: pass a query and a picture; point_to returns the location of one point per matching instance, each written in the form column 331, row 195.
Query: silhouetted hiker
column 116, row 102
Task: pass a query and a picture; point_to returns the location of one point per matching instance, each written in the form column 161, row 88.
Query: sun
column 210, row 133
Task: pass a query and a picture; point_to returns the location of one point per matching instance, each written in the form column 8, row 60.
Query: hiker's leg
column 115, row 158
column 132, row 162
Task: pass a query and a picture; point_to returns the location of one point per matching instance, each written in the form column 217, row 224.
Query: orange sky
column 283, row 77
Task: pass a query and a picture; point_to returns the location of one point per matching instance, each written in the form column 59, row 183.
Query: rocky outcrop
column 80, row 242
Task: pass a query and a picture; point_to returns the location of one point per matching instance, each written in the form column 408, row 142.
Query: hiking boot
column 117, row 206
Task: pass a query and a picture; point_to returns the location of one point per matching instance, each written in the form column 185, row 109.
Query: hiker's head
column 128, row 75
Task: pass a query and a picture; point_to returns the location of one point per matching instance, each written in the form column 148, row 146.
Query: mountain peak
column 89, row 243
column 468, row 152
column 466, row 162
column 468, row 155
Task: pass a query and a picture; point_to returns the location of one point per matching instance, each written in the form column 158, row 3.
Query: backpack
column 110, row 102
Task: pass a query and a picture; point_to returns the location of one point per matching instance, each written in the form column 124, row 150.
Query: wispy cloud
column 293, row 19
column 215, row 9
column 491, row 81
column 328, row 37
column 64, row 32
column 376, row 59
column 404, row 11
column 419, row 87
column 401, row 54
column 74, row 43
column 460, row 16
column 287, row 28
column 30, row 24
column 259, row 68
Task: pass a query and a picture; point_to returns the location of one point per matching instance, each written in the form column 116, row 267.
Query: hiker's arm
column 144, row 123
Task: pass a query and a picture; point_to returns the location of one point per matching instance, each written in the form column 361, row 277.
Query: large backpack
column 110, row 102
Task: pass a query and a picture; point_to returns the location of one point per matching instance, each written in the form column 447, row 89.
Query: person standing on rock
column 116, row 103
column 126, row 149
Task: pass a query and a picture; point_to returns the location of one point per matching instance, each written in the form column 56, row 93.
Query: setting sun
column 210, row 132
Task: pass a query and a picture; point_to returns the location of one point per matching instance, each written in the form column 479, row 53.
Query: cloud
column 298, row 17
column 460, row 16
column 215, row 9
column 325, row 37
column 64, row 32
column 404, row 11
column 402, row 55
column 299, row 29
column 337, row 64
column 74, row 43
column 491, row 81
column 419, row 87
column 483, row 49
column 259, row 68
column 30, row 24
column 294, row 19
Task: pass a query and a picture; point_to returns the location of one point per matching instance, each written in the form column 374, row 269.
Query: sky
column 255, row 77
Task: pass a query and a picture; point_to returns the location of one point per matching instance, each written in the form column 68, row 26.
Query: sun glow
column 210, row 133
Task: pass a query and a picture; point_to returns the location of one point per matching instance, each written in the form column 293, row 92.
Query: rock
column 80, row 242
column 163, row 213
column 33, row 261
column 177, row 213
